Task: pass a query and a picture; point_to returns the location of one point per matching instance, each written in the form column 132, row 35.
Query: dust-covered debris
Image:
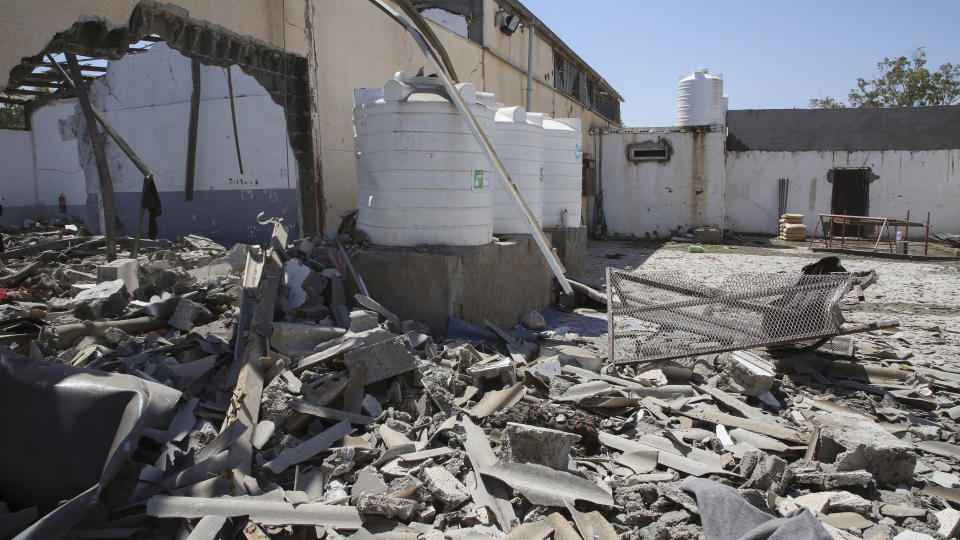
column 303, row 411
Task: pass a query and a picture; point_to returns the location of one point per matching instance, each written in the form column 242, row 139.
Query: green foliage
column 903, row 82
column 826, row 103
column 12, row 116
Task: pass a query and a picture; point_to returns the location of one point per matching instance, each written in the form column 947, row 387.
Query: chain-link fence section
column 668, row 315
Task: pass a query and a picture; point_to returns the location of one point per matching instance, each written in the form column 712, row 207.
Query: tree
column 12, row 116
column 826, row 103
column 903, row 82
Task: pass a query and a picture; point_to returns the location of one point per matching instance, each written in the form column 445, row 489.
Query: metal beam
column 192, row 130
column 103, row 168
column 137, row 162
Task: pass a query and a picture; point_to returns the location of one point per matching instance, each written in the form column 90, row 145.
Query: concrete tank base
column 500, row 281
column 571, row 246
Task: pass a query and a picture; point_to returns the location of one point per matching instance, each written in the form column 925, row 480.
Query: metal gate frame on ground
column 668, row 316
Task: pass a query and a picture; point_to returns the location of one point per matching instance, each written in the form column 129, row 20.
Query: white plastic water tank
column 562, row 171
column 699, row 99
column 422, row 178
column 518, row 140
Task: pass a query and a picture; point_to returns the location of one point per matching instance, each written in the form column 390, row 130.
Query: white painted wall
column 57, row 163
column 146, row 97
column 917, row 181
column 658, row 198
column 16, row 172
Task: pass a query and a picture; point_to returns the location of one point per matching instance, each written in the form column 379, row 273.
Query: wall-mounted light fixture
column 507, row 24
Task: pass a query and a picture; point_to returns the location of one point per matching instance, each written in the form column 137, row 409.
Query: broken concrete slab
column 385, row 359
column 388, row 507
column 852, row 442
column 187, row 313
column 949, row 520
column 521, row 443
column 747, row 373
column 104, row 300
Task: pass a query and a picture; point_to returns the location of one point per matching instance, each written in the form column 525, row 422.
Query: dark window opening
column 648, row 151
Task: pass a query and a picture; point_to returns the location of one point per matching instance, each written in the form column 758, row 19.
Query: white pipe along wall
column 146, row 98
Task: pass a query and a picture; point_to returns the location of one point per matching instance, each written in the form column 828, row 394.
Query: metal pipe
column 530, row 38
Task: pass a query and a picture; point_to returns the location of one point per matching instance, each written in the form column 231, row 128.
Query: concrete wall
column 850, row 130
column 658, row 198
column 146, row 98
column 917, row 181
column 16, row 175
column 57, row 163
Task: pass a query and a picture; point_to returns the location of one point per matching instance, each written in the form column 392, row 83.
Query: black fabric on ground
column 726, row 515
column 825, row 265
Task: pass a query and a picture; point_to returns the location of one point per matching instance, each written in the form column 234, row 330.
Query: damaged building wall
column 28, row 25
column 917, row 181
column 356, row 46
column 912, row 153
column 16, row 176
column 146, row 97
column 41, row 165
column 57, row 162
column 657, row 198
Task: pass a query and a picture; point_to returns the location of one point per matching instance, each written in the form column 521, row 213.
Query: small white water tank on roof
column 700, row 99
column 422, row 178
column 518, row 140
column 562, row 171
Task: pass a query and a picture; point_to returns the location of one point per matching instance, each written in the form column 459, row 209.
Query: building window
column 648, row 151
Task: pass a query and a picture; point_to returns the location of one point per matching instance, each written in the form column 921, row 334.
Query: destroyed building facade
column 307, row 56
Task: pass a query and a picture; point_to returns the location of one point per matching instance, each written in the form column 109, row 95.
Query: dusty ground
column 923, row 296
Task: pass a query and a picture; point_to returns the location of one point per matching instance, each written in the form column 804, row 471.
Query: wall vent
column 657, row 150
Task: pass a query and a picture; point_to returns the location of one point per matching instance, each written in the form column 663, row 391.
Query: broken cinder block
column 444, row 486
column 123, row 269
column 521, row 443
column 384, row 359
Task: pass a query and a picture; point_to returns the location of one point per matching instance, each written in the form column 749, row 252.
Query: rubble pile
column 267, row 402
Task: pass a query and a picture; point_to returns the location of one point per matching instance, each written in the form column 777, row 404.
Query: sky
column 773, row 54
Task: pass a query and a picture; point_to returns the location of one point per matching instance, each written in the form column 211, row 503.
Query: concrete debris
column 520, row 443
column 310, row 412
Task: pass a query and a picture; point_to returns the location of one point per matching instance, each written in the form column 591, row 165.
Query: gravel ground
column 923, row 296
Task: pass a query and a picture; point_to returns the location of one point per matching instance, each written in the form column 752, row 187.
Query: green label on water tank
column 478, row 179
column 541, row 174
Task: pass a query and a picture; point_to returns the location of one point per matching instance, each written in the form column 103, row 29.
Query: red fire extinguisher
column 63, row 204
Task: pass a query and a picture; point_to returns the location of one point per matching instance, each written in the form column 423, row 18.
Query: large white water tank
column 700, row 99
column 562, row 171
column 518, row 140
column 422, row 178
